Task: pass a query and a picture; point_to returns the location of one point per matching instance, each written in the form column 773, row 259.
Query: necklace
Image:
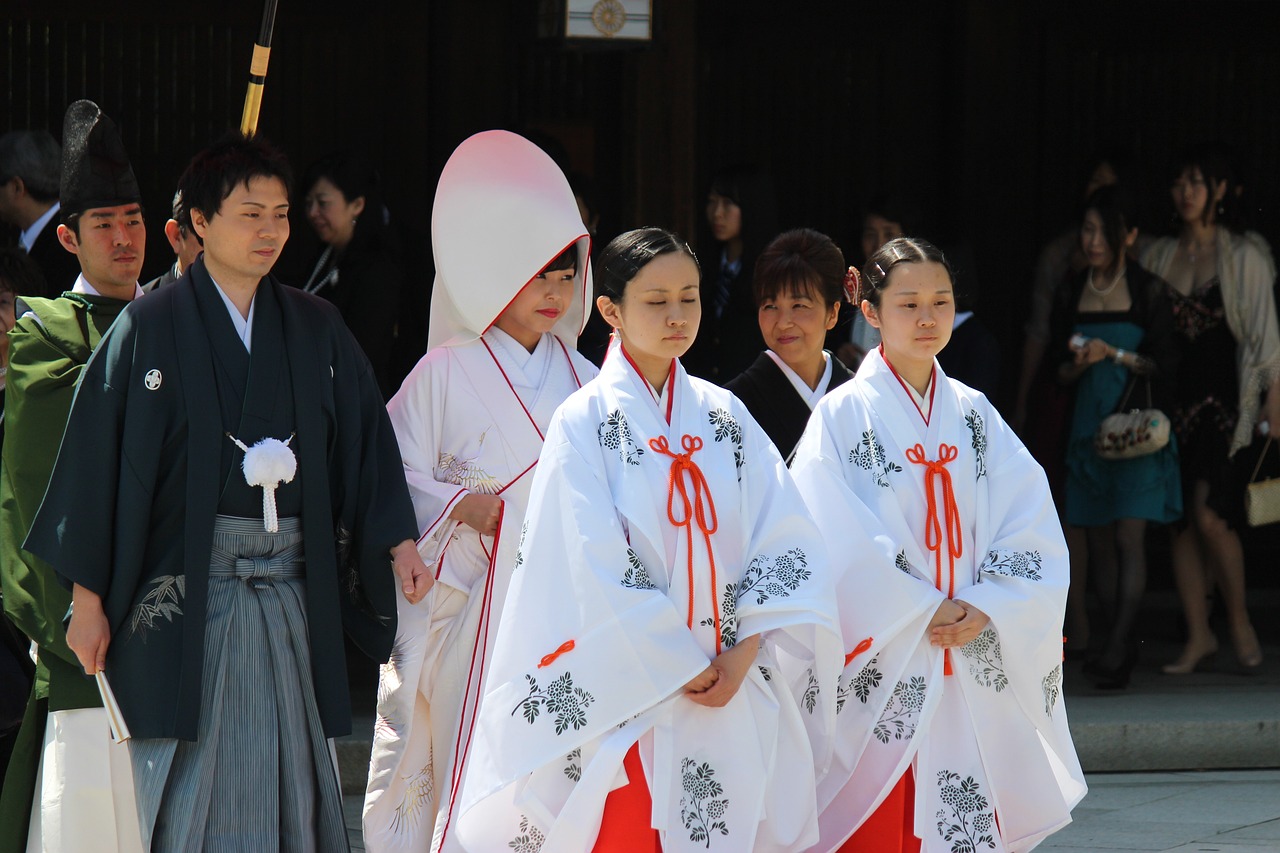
column 315, row 283
column 1192, row 248
column 1100, row 291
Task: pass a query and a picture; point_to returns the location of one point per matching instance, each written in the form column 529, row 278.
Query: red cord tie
column 547, row 660
column 696, row 507
column 934, row 526
column 857, row 650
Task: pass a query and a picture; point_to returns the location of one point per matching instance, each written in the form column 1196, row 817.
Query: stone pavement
column 1234, row 811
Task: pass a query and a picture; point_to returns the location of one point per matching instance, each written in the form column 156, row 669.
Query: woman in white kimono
column 509, row 301
column 951, row 581
column 668, row 649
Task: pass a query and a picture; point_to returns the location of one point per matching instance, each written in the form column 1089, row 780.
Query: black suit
column 59, row 267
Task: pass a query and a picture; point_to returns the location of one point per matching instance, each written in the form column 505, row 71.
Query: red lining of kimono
column 933, row 386
column 694, row 511
column 447, row 507
column 586, row 265
column 460, row 749
column 656, row 398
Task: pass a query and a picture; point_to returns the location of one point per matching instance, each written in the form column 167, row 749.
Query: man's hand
column 89, row 633
column 414, row 576
column 959, row 633
column 731, row 667
column 479, row 512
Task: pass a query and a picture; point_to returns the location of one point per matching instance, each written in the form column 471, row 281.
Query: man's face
column 110, row 247
column 245, row 238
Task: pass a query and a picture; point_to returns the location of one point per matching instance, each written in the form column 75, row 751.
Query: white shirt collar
column 82, row 285
column 244, row 325
column 811, row 396
column 29, row 236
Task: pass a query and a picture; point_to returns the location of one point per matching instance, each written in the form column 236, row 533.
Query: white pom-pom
column 269, row 463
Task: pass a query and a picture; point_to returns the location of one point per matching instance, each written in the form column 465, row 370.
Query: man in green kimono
column 64, row 763
column 228, row 496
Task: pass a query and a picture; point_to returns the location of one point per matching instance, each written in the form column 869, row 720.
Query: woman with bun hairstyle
column 668, row 647
column 951, row 577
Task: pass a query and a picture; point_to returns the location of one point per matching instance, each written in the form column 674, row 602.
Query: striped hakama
column 261, row 775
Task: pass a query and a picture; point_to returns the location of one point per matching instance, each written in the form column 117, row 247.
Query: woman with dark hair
column 1119, row 320
column 742, row 214
column 951, row 579
column 360, row 269
column 669, row 622
column 1228, row 389
column 887, row 217
column 799, row 284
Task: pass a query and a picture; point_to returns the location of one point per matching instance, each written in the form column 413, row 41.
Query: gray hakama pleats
column 260, row 776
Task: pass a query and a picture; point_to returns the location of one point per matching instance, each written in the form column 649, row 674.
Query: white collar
column 82, row 285
column 28, row 237
column 516, row 351
column 244, row 325
column 923, row 401
column 811, row 396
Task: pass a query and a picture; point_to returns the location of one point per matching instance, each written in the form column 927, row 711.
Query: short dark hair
column 34, row 156
column 1116, row 208
column 803, row 262
column 19, row 274
column 901, row 250
column 235, row 159
column 566, row 260
column 630, row 252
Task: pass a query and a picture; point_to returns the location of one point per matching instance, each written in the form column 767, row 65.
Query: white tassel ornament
column 268, row 463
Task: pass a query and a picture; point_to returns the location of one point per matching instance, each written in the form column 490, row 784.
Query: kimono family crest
column 615, row 434
column 967, row 820
column 703, row 806
column 162, row 601
column 871, row 456
column 978, row 428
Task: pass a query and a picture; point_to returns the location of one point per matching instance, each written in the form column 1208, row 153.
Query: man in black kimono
column 214, row 603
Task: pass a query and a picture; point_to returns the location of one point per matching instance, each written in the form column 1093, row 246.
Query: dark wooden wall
column 983, row 110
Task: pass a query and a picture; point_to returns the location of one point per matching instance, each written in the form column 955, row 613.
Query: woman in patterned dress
column 1228, row 389
column 664, row 670
column 951, row 579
